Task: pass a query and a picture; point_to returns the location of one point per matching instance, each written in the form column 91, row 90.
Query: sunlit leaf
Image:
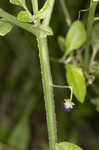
column 75, row 37
column 67, row 146
column 19, row 137
column 5, row 27
column 76, row 79
column 24, row 16
column 43, row 11
column 19, row 2
column 46, row 29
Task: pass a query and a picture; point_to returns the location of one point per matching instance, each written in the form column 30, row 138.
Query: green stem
column 13, row 20
column 63, row 57
column 35, row 10
column 66, row 87
column 89, row 29
column 93, row 56
column 66, row 13
column 48, row 90
column 48, row 16
column 35, row 6
column 47, row 81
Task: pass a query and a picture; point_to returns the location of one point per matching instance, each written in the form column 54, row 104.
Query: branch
column 48, row 16
column 13, row 20
column 35, row 6
column 66, row 13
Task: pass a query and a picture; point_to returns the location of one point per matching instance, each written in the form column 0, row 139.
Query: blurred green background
column 22, row 111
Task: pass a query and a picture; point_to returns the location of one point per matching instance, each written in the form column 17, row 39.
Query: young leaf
column 5, row 27
column 76, row 36
column 43, row 11
column 19, row 3
column 46, row 29
column 19, row 139
column 67, row 146
column 24, row 16
column 75, row 78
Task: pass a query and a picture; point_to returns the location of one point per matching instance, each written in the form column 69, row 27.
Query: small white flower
column 68, row 104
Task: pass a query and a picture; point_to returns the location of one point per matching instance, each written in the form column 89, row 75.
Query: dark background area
column 22, row 111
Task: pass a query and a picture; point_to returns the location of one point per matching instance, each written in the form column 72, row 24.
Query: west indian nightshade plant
column 79, row 69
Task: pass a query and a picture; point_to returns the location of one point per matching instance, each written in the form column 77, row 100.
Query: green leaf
column 19, row 3
column 75, row 78
column 46, row 29
column 67, row 146
column 19, row 139
column 5, row 27
column 76, row 36
column 43, row 11
column 24, row 16
column 95, row 36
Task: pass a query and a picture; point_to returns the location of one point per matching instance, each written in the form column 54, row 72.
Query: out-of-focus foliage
column 21, row 94
column 75, row 37
column 95, row 36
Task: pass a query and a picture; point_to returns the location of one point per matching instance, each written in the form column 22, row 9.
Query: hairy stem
column 47, row 78
column 66, row 13
column 13, row 20
column 48, row 90
column 89, row 28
